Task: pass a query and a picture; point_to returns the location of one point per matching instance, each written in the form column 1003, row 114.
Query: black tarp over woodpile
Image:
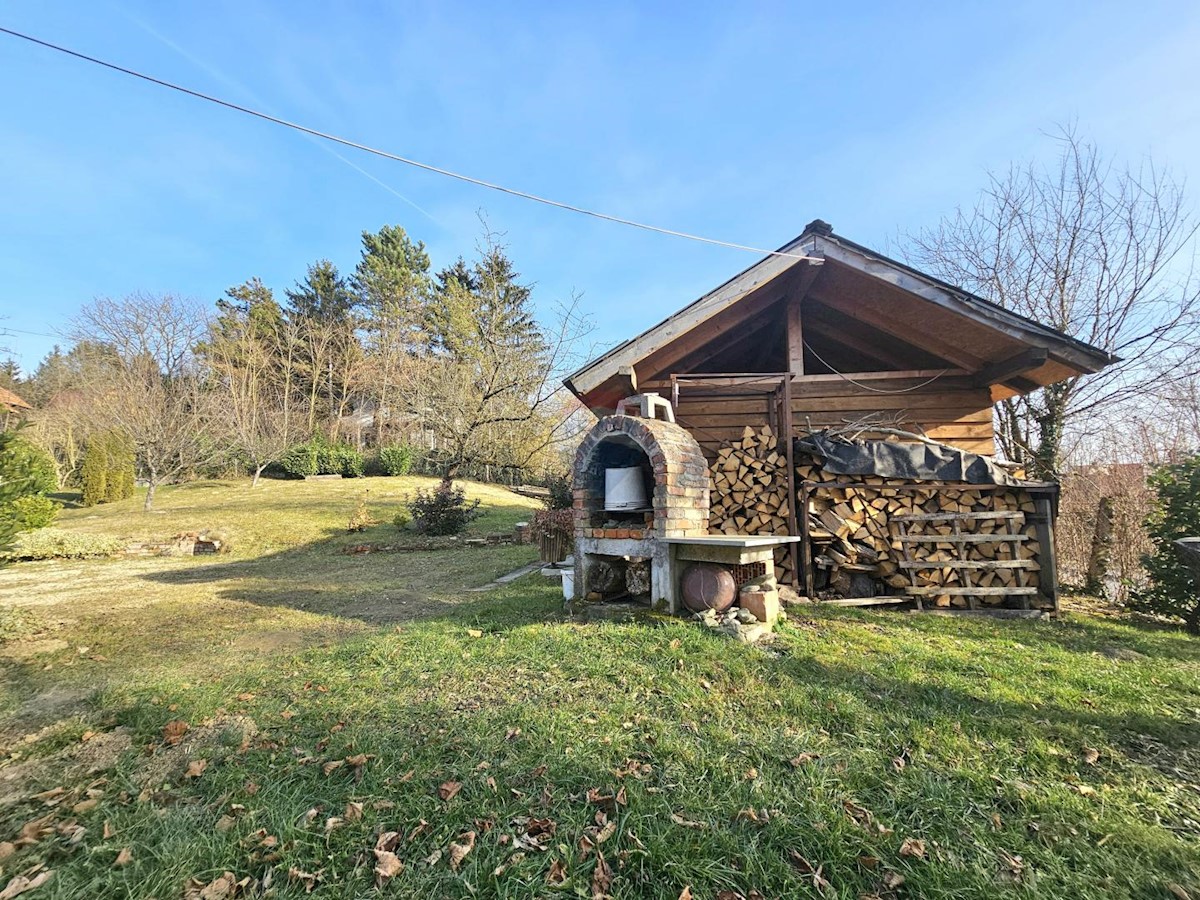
column 907, row 460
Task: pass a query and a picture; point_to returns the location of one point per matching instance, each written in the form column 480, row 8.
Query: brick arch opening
column 675, row 474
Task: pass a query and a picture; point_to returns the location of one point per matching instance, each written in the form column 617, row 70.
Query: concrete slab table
column 724, row 549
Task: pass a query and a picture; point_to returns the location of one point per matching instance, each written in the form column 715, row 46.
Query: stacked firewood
column 750, row 491
column 857, row 528
column 854, row 527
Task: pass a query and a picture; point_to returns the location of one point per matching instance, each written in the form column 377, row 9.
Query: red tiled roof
column 9, row 400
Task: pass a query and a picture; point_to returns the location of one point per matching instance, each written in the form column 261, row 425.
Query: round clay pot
column 707, row 586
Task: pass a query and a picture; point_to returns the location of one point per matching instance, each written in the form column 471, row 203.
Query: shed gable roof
column 867, row 283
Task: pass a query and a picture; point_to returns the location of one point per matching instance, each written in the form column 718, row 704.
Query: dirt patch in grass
column 22, row 781
column 211, row 741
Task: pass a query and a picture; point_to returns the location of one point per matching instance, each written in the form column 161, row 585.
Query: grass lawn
column 365, row 726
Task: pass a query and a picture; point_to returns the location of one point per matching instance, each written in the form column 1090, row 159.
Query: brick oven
column 622, row 552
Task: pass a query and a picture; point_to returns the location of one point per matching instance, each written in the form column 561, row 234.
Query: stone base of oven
column 664, row 574
column 668, row 557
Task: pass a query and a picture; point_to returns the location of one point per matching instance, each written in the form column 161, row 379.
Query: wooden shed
column 827, row 333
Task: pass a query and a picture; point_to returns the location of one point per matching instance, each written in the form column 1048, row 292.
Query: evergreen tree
column 393, row 282
column 323, row 295
column 94, row 472
column 16, row 481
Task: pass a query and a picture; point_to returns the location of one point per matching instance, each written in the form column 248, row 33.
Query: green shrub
column 39, row 465
column 350, row 462
column 402, row 519
column 1173, row 590
column 299, row 461
column 444, row 510
column 107, row 471
column 16, row 482
column 560, row 493
column 396, row 460
column 32, row 511
column 55, row 543
column 320, row 457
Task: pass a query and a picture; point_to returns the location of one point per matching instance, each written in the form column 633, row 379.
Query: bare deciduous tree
column 1100, row 253
column 154, row 395
column 252, row 353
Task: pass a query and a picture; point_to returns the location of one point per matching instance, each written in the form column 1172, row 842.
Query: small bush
column 1174, row 591
column 402, row 519
column 320, row 457
column 444, row 510
column 396, row 460
column 107, row 471
column 54, row 543
column 299, row 461
column 350, row 462
column 361, row 518
column 39, row 465
column 560, row 493
column 32, row 511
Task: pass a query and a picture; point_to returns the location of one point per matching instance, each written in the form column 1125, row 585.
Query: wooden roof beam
column 854, row 344
column 918, row 337
column 1008, row 371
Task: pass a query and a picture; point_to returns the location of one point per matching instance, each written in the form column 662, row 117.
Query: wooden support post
column 785, row 429
column 795, row 336
column 805, row 541
column 1043, row 520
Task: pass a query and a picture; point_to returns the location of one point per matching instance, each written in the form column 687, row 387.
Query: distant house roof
column 11, row 402
column 946, row 322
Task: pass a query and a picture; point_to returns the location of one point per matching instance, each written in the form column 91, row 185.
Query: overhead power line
column 346, row 142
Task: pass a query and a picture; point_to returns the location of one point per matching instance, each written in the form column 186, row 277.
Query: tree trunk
column 151, row 486
column 257, row 472
column 1101, row 545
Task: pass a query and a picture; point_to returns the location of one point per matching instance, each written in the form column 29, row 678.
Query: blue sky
column 737, row 121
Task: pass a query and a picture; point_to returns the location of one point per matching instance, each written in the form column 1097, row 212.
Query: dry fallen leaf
column 892, row 880
column 859, row 814
column 20, row 884
column 109, row 831
column 475, row 632
column 332, row 766
column 601, row 878
column 1178, row 891
column 387, row 865
column 174, row 731
column 124, row 858
column 449, row 789
column 686, row 823
column 459, row 849
column 1091, row 755
column 7, row 849
column 803, row 759
column 196, row 768
column 245, row 697
column 353, row 811
column 686, row 893
column 913, row 847
column 224, row 886
column 388, row 840
column 557, row 873
column 85, row 806
column 308, row 879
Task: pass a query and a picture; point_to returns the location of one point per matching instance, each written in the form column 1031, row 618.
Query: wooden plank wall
column 949, row 410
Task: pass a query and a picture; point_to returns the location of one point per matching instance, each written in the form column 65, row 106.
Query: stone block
column 764, row 605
